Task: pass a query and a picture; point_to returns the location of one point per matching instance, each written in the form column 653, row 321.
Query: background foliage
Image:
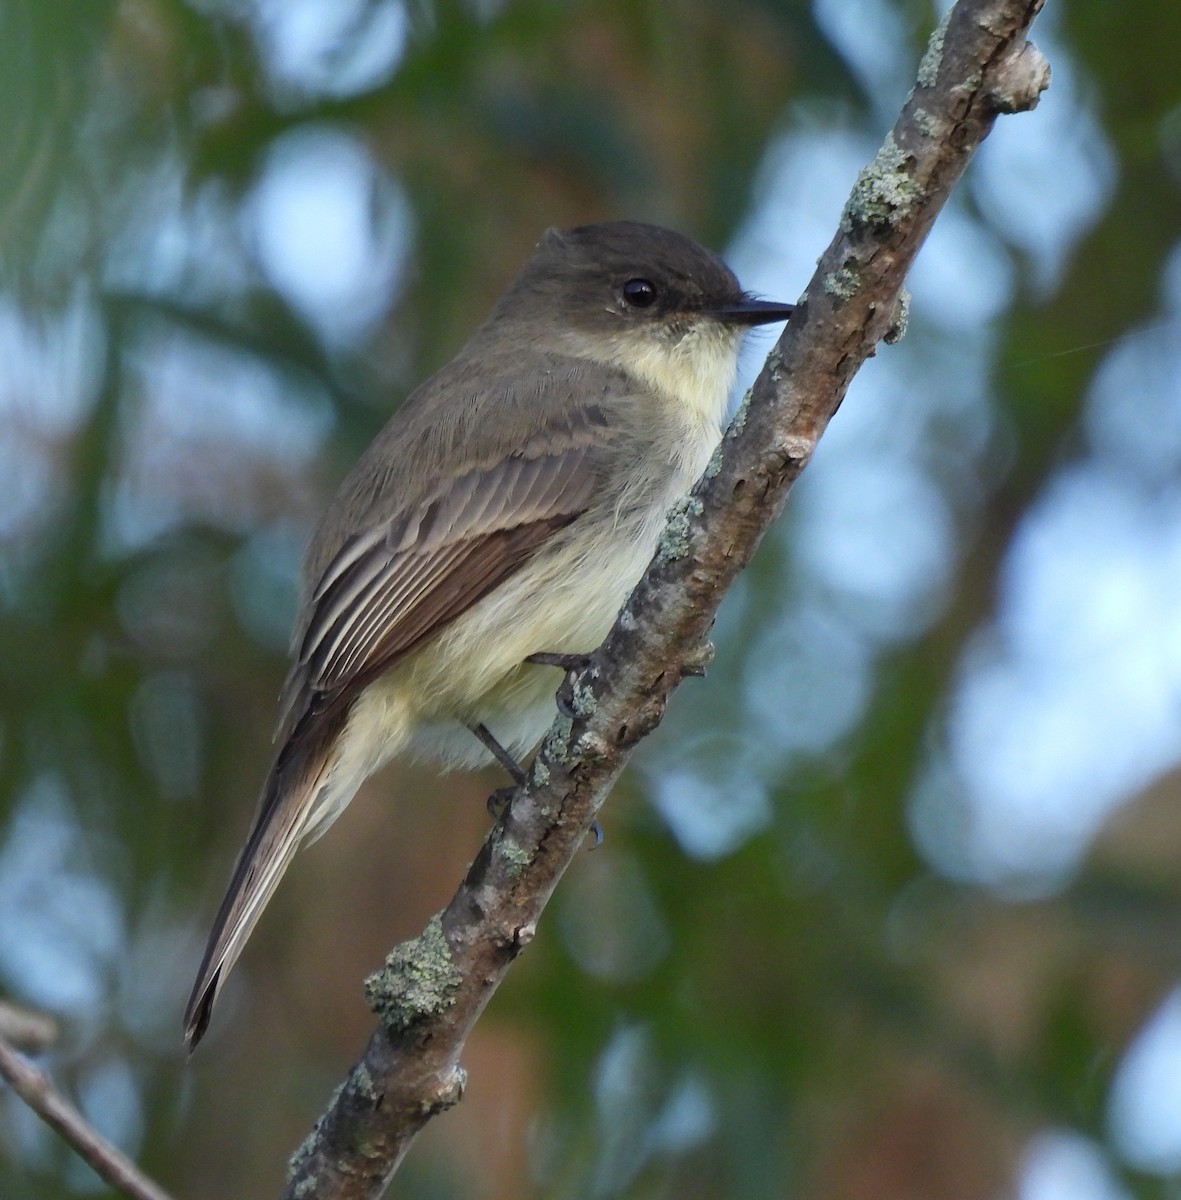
column 889, row 906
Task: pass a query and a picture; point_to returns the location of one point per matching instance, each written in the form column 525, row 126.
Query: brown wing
column 394, row 586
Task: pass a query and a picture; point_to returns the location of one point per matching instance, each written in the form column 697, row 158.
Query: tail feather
column 288, row 801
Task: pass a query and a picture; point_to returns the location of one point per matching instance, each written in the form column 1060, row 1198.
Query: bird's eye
column 639, row 293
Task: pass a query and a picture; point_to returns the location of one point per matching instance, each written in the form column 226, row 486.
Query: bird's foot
column 568, row 662
column 498, row 752
column 573, row 665
column 498, row 802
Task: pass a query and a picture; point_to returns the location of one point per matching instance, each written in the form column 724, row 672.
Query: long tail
column 288, row 801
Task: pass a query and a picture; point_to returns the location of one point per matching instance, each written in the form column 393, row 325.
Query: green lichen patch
column 924, row 122
column 740, row 414
column 582, row 696
column 884, row 191
column 516, row 856
column 933, row 57
column 306, row 1189
column 674, row 541
column 843, row 282
column 554, row 748
column 419, row 980
column 303, row 1152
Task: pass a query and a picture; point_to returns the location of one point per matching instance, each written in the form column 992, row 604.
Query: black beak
column 749, row 311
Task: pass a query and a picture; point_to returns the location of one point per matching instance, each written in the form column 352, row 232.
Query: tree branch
column 25, row 1030
column 108, row 1161
column 432, row 989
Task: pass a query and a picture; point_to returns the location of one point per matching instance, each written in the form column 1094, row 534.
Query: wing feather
column 394, row 585
column 390, row 593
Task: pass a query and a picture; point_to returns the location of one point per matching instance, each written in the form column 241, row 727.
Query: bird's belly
column 563, row 601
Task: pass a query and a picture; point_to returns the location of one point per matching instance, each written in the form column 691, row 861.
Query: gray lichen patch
column 843, row 282
column 738, row 423
column 515, row 856
column 674, row 541
column 582, row 695
column 419, row 979
column 897, row 330
column 303, row 1152
column 933, row 56
column 556, row 747
column 924, row 122
column 774, row 363
column 884, row 190
column 362, row 1082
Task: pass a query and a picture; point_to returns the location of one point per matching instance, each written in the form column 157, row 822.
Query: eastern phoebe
column 506, row 510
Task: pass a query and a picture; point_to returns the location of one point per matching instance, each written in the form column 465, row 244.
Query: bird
column 494, row 528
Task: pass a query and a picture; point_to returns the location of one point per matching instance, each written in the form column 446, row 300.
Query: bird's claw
column 573, row 665
column 498, row 802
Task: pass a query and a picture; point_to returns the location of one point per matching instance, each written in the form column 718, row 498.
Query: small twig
column 25, row 1030
column 109, row 1162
